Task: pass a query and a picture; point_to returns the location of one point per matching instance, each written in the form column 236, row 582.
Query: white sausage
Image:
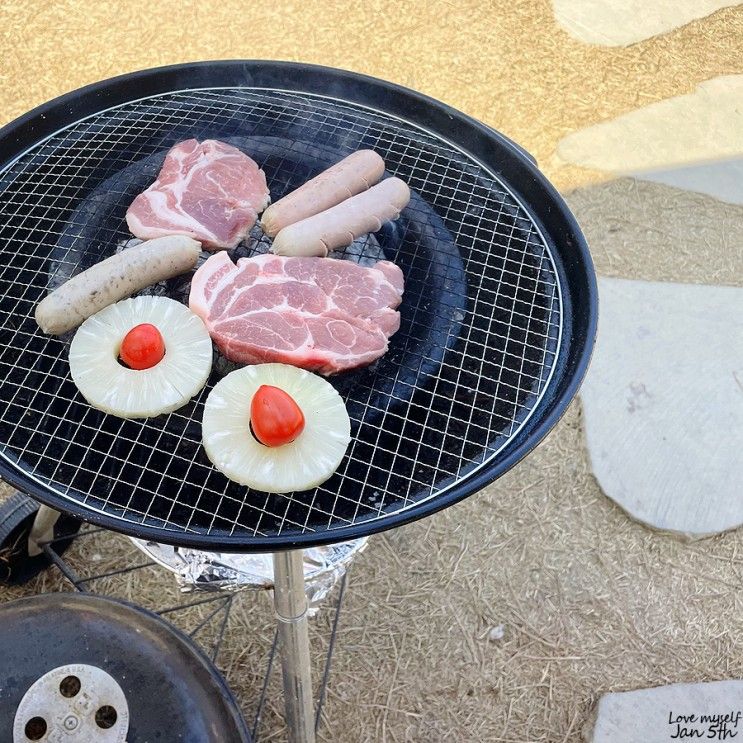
column 340, row 225
column 115, row 278
column 350, row 176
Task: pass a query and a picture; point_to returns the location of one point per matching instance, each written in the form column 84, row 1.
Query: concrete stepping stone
column 663, row 404
column 680, row 712
column 723, row 179
column 707, row 126
column 623, row 22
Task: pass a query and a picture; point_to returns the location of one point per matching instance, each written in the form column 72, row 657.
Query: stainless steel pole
column 42, row 530
column 290, row 603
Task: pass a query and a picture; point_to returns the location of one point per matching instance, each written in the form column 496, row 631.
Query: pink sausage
column 350, row 176
column 340, row 225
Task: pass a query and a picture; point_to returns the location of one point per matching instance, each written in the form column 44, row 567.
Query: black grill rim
column 493, row 150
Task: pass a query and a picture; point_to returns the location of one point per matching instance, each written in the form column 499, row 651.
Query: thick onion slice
column 131, row 393
column 304, row 463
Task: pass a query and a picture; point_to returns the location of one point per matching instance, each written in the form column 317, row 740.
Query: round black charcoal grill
column 498, row 316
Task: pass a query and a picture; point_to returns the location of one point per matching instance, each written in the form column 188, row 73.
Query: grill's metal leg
column 290, row 602
column 42, row 529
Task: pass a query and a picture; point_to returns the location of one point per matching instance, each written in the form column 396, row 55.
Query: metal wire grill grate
column 481, row 317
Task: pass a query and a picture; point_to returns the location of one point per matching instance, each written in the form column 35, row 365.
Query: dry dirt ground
column 588, row 601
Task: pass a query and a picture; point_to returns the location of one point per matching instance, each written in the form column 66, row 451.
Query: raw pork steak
column 210, row 191
column 318, row 313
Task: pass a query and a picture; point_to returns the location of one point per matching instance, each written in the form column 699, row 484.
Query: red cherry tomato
column 143, row 347
column 274, row 416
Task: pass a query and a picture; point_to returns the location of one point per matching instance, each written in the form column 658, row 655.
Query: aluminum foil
column 196, row 570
